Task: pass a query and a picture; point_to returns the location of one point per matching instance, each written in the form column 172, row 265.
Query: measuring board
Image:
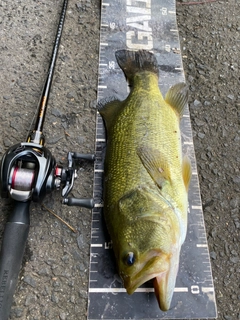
column 150, row 25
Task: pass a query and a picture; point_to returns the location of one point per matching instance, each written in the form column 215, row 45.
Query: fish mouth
column 163, row 269
column 144, row 273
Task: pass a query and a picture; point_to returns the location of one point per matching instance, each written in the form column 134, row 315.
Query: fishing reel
column 29, row 172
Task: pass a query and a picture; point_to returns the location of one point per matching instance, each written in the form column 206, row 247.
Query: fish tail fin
column 132, row 62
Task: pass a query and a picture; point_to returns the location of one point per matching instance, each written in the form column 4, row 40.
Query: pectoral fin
column 156, row 164
column 177, row 97
column 186, row 171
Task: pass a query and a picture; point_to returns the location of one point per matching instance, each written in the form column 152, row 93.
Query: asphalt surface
column 54, row 279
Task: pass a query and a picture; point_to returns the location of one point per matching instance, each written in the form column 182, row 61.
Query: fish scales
column 145, row 177
column 134, row 127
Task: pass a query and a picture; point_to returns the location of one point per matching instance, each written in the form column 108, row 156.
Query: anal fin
column 177, row 97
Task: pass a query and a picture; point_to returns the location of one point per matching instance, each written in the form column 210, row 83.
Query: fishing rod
column 28, row 172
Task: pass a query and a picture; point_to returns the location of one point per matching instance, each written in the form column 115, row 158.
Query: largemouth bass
column 146, row 178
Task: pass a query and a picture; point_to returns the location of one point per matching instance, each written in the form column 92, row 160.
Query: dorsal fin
column 108, row 109
column 177, row 97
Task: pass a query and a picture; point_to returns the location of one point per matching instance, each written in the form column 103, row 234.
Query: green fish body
column 146, row 178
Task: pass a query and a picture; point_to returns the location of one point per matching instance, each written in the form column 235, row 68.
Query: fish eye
column 129, row 259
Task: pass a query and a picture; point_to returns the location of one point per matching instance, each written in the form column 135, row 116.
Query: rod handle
column 11, row 255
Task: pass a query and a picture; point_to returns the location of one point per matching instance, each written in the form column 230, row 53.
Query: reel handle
column 86, row 203
column 11, row 255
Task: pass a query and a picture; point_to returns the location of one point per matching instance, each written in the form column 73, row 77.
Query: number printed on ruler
column 138, row 17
